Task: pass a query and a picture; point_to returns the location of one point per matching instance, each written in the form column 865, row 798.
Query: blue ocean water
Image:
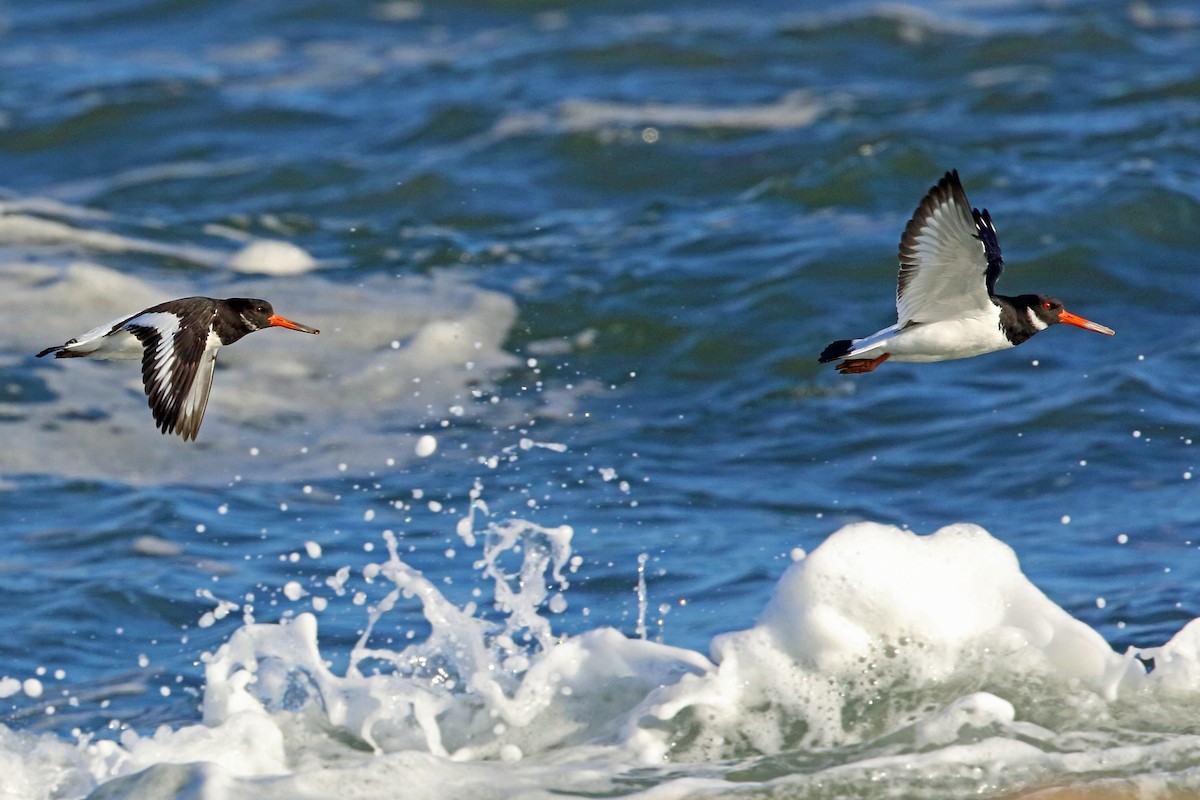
column 593, row 252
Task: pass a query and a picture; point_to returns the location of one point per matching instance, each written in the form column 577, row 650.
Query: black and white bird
column 946, row 299
column 177, row 342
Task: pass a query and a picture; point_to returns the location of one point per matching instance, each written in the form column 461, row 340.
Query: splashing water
column 925, row 661
column 468, row 665
column 642, row 596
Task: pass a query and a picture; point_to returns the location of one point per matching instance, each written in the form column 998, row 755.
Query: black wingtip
column 950, row 182
column 985, row 232
column 835, row 350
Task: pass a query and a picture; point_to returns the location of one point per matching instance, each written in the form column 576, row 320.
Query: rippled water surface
column 592, row 251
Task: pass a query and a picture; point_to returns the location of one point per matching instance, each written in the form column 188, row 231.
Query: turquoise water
column 624, row 232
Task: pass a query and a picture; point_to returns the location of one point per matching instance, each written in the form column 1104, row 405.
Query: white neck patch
column 1035, row 320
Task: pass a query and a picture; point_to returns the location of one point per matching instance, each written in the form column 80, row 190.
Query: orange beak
column 1080, row 322
column 280, row 322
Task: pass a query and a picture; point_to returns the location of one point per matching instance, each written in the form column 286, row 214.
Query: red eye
column 1046, row 305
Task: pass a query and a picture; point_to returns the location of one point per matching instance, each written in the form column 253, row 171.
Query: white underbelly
column 943, row 341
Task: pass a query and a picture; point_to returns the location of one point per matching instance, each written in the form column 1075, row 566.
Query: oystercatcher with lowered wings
column 177, row 342
column 946, row 298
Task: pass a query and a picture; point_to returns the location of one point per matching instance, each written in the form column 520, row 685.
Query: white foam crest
column 50, row 225
column 84, row 189
column 25, row 230
column 41, row 767
column 793, row 110
column 46, row 206
column 1177, row 663
column 847, row 591
column 875, row 630
column 914, row 23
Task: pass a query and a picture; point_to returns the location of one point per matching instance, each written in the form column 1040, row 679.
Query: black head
column 1042, row 311
column 258, row 314
column 254, row 312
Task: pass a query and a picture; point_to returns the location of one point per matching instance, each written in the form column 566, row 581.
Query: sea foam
column 915, row 662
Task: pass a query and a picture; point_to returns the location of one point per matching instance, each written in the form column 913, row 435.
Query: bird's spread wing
column 949, row 257
column 177, row 368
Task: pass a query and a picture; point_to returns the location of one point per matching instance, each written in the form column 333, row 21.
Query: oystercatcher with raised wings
column 946, row 299
column 177, row 342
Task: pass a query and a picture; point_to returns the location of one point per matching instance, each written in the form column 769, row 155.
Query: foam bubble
column 155, row 546
column 270, row 257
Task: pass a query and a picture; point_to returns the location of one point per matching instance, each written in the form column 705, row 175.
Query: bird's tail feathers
column 839, row 349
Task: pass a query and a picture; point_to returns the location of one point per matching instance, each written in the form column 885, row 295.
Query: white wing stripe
column 167, row 326
column 191, row 409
